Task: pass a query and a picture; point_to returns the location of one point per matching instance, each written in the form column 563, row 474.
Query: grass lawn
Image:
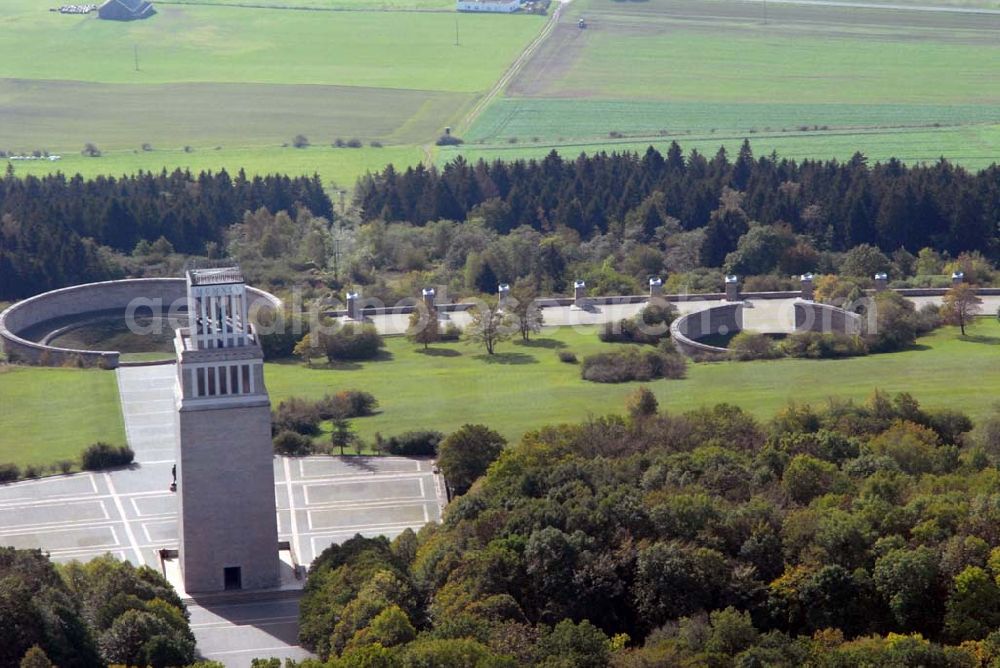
column 51, row 414
column 525, row 387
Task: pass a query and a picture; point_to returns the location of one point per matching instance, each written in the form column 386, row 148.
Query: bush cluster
column 816, row 345
column 352, row 342
column 450, row 333
column 9, row 473
column 567, row 356
column 650, row 325
column 292, row 444
column 753, row 346
column 104, row 456
column 627, row 364
column 410, row 443
column 302, row 416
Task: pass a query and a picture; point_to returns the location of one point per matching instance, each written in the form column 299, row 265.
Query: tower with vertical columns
column 225, row 476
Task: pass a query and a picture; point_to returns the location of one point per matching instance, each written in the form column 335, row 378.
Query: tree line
column 57, row 230
column 838, row 205
column 837, row 535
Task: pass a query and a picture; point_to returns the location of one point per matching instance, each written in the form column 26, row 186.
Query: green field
column 51, row 414
column 337, row 166
column 810, row 81
column 526, row 387
column 213, row 44
column 235, row 83
column 342, row 5
column 974, row 146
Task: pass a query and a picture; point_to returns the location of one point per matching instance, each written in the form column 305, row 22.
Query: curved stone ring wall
column 728, row 318
column 157, row 294
column 715, row 320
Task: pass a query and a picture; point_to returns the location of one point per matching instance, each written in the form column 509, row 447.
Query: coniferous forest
column 839, row 204
column 56, row 231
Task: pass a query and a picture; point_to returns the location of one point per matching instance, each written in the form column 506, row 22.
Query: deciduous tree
column 961, row 305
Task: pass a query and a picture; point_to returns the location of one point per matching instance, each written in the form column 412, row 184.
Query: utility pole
column 457, row 41
column 135, row 52
column 765, row 12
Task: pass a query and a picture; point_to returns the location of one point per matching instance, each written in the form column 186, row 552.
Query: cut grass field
column 47, row 415
column 525, row 386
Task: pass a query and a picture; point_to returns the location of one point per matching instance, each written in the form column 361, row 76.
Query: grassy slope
column 52, row 414
column 533, row 388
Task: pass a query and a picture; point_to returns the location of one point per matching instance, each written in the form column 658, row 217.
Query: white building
column 500, row 6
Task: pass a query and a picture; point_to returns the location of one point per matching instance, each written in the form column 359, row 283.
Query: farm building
column 126, row 10
column 501, row 6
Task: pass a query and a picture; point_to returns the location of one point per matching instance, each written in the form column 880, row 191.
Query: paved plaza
column 131, row 514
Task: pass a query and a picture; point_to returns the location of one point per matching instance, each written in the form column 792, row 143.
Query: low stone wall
column 160, row 295
column 723, row 319
column 824, row 318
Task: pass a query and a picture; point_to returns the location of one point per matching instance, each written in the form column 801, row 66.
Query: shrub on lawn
column 650, row 325
column 104, row 456
column 292, row 444
column 752, row 346
column 346, row 404
column 928, row 319
column 9, row 473
column 451, row 332
column 352, row 342
column 32, row 471
column 814, row 345
column 628, row 364
column 64, row 466
column 567, row 356
column 298, row 415
column 411, row 443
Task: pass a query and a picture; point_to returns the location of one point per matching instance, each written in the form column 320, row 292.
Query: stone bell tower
column 225, row 476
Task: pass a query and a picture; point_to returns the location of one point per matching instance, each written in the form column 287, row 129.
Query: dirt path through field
column 513, row 70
